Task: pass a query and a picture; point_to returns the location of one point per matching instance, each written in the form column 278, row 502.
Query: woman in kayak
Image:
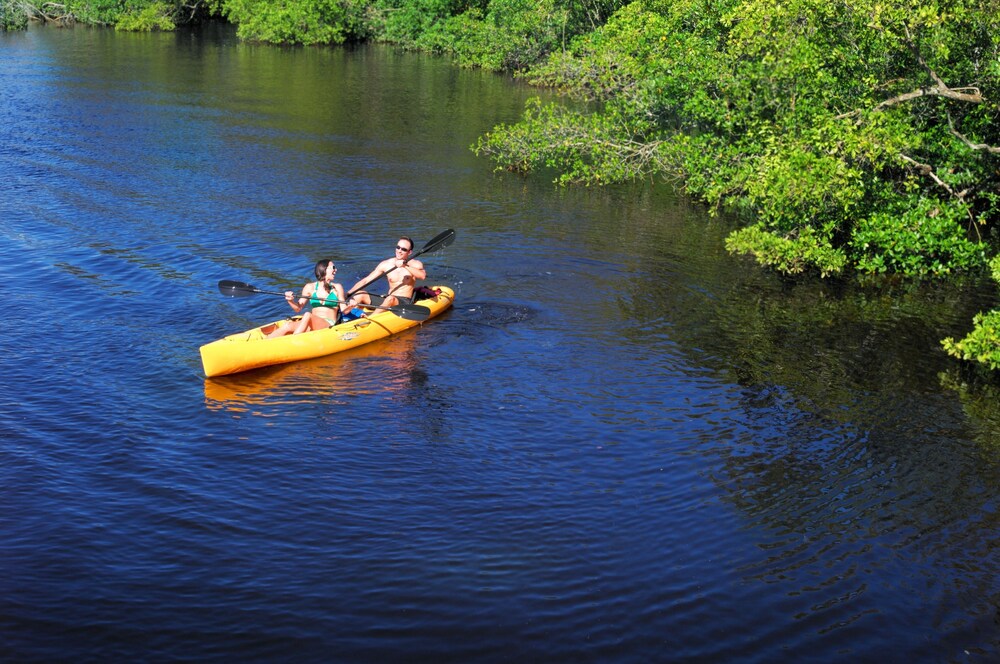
column 325, row 298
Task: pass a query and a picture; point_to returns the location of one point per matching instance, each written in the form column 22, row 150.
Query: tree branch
column 973, row 146
column 939, row 90
column 970, row 94
column 925, row 169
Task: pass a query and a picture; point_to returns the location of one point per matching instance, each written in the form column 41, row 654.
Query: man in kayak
column 402, row 274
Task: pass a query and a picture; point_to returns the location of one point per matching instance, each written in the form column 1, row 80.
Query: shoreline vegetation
column 853, row 139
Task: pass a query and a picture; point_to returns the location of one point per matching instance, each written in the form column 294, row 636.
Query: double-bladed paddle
column 405, row 311
column 240, row 289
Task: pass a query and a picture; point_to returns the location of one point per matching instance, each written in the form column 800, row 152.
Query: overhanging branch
column 927, row 170
column 973, row 146
column 939, row 90
column 970, row 95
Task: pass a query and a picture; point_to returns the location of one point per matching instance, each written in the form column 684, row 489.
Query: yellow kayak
column 251, row 349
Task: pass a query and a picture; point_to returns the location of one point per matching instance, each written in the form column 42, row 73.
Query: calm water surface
column 621, row 445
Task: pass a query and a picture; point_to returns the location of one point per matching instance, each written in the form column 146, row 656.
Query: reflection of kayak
column 250, row 349
column 394, row 360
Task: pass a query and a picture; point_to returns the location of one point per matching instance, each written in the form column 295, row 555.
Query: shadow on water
column 978, row 392
column 847, row 437
column 480, row 321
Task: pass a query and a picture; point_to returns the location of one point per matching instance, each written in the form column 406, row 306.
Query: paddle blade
column 439, row 241
column 411, row 312
column 236, row 288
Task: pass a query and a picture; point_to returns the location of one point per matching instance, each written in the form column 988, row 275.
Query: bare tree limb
column 973, row 146
column 50, row 12
column 939, row 90
column 925, row 169
column 969, row 94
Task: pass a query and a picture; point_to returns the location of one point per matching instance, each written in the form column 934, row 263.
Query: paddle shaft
column 408, row 311
column 404, row 310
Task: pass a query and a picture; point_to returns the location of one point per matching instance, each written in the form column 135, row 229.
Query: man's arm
column 372, row 276
column 416, row 268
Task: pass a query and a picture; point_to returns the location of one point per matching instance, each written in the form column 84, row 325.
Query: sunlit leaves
column 149, row 18
column 299, row 22
column 792, row 253
column 982, row 344
column 581, row 148
column 806, row 113
column 13, row 15
column 923, row 237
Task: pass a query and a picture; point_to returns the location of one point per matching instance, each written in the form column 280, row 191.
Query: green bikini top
column 330, row 301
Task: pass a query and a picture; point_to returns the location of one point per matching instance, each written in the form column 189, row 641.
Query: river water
column 622, row 444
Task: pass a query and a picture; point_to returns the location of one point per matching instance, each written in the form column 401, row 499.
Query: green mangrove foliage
column 300, row 22
column 859, row 136
column 982, row 344
column 855, row 135
column 147, row 18
column 13, row 15
column 499, row 35
column 132, row 15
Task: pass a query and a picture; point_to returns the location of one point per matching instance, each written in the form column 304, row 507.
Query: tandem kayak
column 252, row 349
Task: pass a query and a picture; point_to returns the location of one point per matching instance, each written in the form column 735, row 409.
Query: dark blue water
column 621, row 444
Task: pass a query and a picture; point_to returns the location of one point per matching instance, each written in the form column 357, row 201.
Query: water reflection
column 980, row 398
column 386, row 365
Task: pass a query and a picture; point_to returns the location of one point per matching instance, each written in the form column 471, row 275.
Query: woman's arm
column 297, row 306
column 338, row 289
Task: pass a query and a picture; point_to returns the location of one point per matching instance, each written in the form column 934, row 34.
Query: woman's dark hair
column 321, row 268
